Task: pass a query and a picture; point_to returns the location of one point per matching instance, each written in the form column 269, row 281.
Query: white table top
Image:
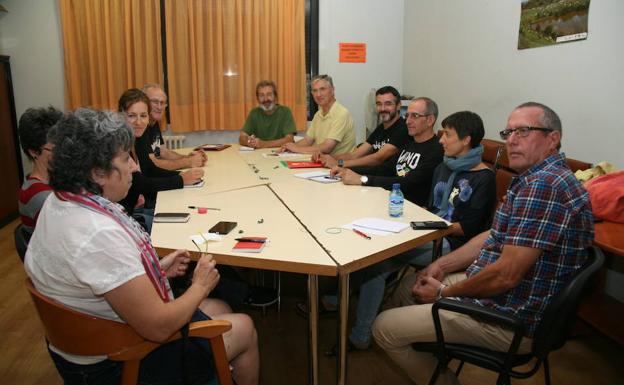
column 291, row 247
column 285, row 202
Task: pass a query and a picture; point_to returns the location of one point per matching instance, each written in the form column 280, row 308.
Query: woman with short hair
column 87, row 254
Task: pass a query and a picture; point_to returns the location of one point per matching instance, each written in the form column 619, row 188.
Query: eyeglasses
column 414, row 115
column 522, row 132
column 157, row 102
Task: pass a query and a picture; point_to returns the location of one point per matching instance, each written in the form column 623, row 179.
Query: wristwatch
column 364, row 180
column 340, row 162
column 439, row 296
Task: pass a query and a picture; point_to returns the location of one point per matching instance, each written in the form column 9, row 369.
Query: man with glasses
column 152, row 137
column 332, row 128
column 270, row 124
column 413, row 166
column 538, row 239
column 383, row 143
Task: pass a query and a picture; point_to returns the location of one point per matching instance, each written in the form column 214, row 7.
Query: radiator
column 174, row 141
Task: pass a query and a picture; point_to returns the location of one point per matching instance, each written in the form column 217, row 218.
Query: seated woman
column 33, row 129
column 463, row 193
column 146, row 183
column 89, row 255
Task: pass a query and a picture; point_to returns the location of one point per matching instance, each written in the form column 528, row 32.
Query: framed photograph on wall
column 548, row 22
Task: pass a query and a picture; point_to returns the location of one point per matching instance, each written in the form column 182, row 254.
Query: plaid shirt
column 546, row 209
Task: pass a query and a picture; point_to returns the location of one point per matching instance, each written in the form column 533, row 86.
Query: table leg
column 313, row 363
column 343, row 304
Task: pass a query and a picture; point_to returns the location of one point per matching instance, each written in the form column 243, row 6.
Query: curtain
column 217, row 50
column 109, row 46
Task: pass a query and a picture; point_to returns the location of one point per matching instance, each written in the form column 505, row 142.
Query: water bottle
column 395, row 202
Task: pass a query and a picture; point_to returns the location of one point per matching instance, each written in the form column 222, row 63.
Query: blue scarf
column 457, row 165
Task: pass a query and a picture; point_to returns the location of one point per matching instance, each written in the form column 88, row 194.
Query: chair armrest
column 202, row 329
column 479, row 312
column 509, row 321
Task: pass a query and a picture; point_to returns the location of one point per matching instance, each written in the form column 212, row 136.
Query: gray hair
column 430, row 106
column 549, row 118
column 147, row 86
column 327, row 78
column 86, row 140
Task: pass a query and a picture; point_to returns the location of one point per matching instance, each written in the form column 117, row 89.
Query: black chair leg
column 459, row 368
column 546, row 371
column 436, row 373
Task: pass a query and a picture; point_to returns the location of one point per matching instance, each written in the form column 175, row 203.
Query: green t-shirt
column 270, row 127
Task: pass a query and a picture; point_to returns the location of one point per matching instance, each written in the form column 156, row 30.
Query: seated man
column 463, row 193
column 270, row 124
column 539, row 237
column 33, row 130
column 413, row 167
column 153, row 154
column 383, row 143
column 332, row 128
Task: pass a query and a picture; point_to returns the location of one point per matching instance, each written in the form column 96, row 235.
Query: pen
column 250, row 240
column 207, row 208
column 361, row 234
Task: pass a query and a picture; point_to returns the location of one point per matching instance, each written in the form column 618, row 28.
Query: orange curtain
column 109, row 46
column 218, row 50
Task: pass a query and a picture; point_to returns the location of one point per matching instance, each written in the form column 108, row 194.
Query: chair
column 83, row 334
column 551, row 333
column 21, row 238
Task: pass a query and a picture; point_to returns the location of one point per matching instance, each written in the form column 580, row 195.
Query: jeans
column 163, row 366
column 374, row 284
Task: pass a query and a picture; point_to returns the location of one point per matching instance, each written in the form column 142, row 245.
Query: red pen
column 361, row 234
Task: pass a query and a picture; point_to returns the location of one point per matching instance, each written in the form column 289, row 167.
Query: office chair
column 83, row 334
column 21, row 238
column 551, row 334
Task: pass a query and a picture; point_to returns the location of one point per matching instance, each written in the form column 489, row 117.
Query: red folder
column 304, row 164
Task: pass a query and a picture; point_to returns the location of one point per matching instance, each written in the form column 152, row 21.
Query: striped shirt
column 549, row 210
column 31, row 197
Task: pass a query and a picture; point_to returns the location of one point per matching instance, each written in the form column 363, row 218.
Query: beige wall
column 463, row 54
column 30, row 35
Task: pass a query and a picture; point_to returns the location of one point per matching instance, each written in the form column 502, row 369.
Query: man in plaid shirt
column 539, row 237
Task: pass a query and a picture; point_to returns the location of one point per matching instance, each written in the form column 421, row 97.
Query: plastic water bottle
column 395, row 202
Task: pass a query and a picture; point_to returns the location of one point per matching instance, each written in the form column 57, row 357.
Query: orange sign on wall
column 352, row 53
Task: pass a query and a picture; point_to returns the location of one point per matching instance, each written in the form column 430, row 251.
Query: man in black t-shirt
column 151, row 142
column 383, row 143
column 414, row 163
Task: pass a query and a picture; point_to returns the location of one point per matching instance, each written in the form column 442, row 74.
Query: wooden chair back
column 83, row 334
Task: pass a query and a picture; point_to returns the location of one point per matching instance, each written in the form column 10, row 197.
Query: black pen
column 250, row 240
column 199, row 207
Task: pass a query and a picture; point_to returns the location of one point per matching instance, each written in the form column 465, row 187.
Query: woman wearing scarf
column 89, row 255
column 463, row 193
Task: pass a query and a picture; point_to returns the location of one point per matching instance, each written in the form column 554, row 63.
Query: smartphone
column 222, row 228
column 171, row 217
column 425, row 225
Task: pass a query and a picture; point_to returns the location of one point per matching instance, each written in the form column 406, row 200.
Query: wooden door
column 10, row 159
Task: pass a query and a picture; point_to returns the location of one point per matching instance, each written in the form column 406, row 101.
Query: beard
column 267, row 107
column 385, row 117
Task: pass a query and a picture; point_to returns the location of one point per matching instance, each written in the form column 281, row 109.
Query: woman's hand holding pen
column 206, row 274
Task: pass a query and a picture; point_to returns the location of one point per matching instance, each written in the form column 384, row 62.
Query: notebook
column 250, row 247
column 212, row 147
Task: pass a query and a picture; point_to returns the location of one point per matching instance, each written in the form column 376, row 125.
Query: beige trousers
column 396, row 329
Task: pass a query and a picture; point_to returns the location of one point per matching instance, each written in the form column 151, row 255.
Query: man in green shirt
column 269, row 124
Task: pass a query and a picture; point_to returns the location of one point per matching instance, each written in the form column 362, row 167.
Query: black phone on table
column 222, row 227
column 427, row 225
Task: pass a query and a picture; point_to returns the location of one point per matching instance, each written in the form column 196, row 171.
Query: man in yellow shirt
column 332, row 129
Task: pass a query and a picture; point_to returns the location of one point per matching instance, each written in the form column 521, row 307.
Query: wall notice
column 352, row 53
